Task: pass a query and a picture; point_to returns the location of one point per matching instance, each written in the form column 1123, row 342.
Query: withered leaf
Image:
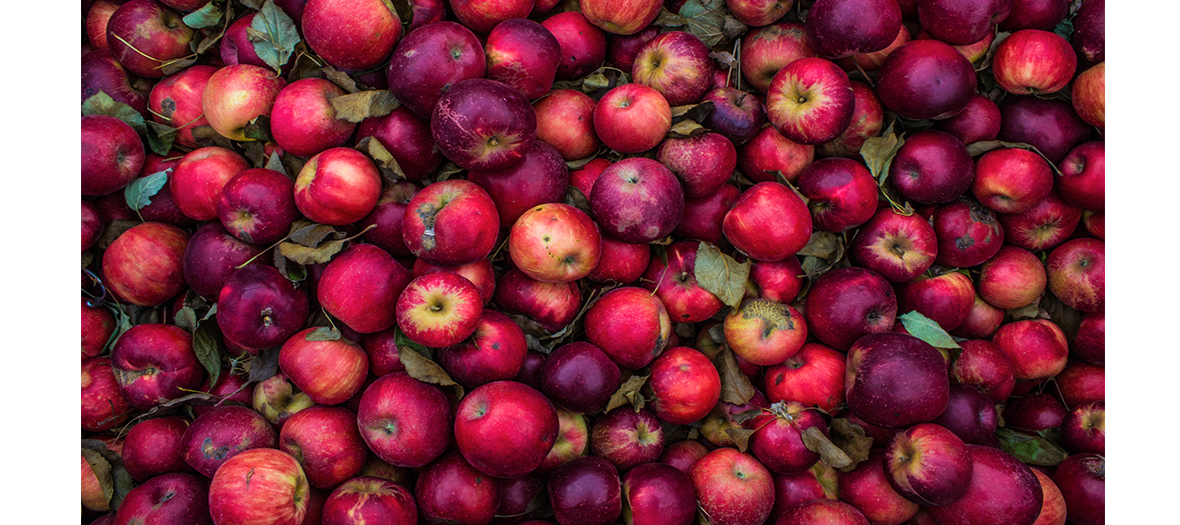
column 627, row 392
column 264, row 365
column 815, row 441
column 740, row 437
column 340, row 78
column 686, row 129
column 359, row 106
column 926, row 329
column 114, row 230
column 425, row 370
column 851, row 438
column 305, row 255
column 721, row 275
column 735, row 386
column 205, row 136
column 575, row 198
column 311, row 234
column 825, row 245
column 748, row 415
column 207, row 347
column 323, row 333
column 878, row 153
column 121, row 482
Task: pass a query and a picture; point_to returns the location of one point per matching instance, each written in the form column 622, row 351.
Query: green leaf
column 706, row 19
column 207, row 16
column 356, row 107
column 140, row 192
column 927, row 330
column 878, row 153
column 102, row 104
column 207, row 346
column 721, row 275
column 186, row 318
column 274, row 35
column 160, row 137
column 1034, row 450
column 1064, row 28
column 323, row 333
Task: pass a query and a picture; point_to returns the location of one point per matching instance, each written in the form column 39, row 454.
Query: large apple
column 145, row 36
column 555, row 242
column 405, row 422
column 430, row 60
column 482, row 124
column 236, row 95
column 895, row 380
column 632, row 118
column 744, row 224
column 453, row 222
column 351, row 34
column 637, row 200
column 259, row 486
column 505, row 429
column 810, row 101
column 112, row 154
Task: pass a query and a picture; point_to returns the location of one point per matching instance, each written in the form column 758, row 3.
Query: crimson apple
column 841, row 28
column 847, row 303
column 370, row 498
column 674, row 282
column 551, row 305
column 1033, row 61
column 732, row 488
column 632, row 118
column 154, row 363
column 167, row 498
column 1090, row 341
column 439, row 309
column 585, row 491
column 676, row 64
column 945, row 299
column 481, row 124
column 303, row 121
column 630, row 324
column 926, row 79
column 984, row 365
column 1052, row 126
column 101, row 71
column 822, row 511
column 583, row 45
column 841, row 193
column 867, row 487
column 1082, row 182
column 703, row 218
column 896, row 246
column 961, row 22
column 637, row 199
column 685, row 384
column 767, row 50
column 928, row 464
column 627, row 437
column 810, row 101
column 655, row 493
column 703, row 163
column 763, row 202
column 112, row 154
column 224, row 433
column 259, row 486
column 980, row 120
column 360, row 287
column 144, row 266
column 505, row 416
column 258, row 205
column 388, row 216
column 932, row 167
column 867, row 120
column 176, row 101
column 737, row 115
column 968, row 233
column 894, row 380
column 452, row 222
column 329, row 372
column 770, row 152
column 103, row 404
column 405, row 422
column 259, row 308
column 326, row 443
column 580, row 377
column 1043, row 226
column 407, row 138
column 145, row 35
column 565, row 120
column 1001, row 490
column 620, row 17
column 1077, row 274
column 496, row 352
column 351, row 34
column 450, row 490
column 337, row 186
column 1082, row 481
column 1089, row 95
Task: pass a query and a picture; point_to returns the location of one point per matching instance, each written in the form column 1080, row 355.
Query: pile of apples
column 592, row 262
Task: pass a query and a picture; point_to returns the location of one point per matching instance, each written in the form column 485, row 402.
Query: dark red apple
column 153, row 447
column 154, row 363
column 637, row 200
column 211, row 256
column 541, row 177
column 926, row 79
column 985, row 366
column 450, row 490
column 896, row 246
column 407, row 138
column 1082, row 481
column 842, row 28
column 167, row 498
column 970, row 414
column 1052, row 126
column 932, row 167
column 847, row 303
column 176, row 101
column 337, row 186
column 303, row 120
column 259, row 308
column 867, row 487
column 1001, row 490
column 579, row 377
column 222, row 433
column 496, row 352
column 1083, row 176
column 841, row 193
column 145, row 35
column 524, row 55
column 258, row 205
column 928, row 464
column 733, row 487
column 655, row 493
column 112, row 154
column 980, row 120
column 551, row 305
column 674, row 282
column 583, row 45
column 481, row 124
column 430, row 60
column 586, row 491
column 630, row 325
column 895, row 380
column 502, row 416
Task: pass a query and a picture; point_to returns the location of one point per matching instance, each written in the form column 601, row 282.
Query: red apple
column 764, row 332
column 1082, row 481
column 1077, row 274
column 330, row 372
column 620, row 17
column 685, row 384
column 144, row 266
column 703, row 163
column 674, row 282
column 733, row 488
column 626, row 437
column 236, row 47
column 176, row 101
column 632, row 118
column 259, row 308
column 103, row 404
column 847, row 303
column 822, row 511
column 146, row 36
column 867, row 120
column 405, row 422
column 370, row 499
column 439, row 309
column 896, row 246
column 867, row 487
column 223, row 433
column 101, row 71
column 112, row 154
column 388, row 216
column 555, row 242
column 573, row 440
column 1011, row 180
column 199, row 178
column 630, row 325
column 496, row 352
column 452, row 223
column 167, row 498
column 1033, row 61
column 583, row 45
column 259, row 486
column 326, row 443
column 968, row 233
column 984, row 365
column 770, row 152
column 360, row 287
column 351, row 34
column 303, row 120
column 479, row 273
column 704, row 218
column 502, row 416
column 637, row 200
column 98, row 324
column 155, row 363
column 945, row 299
column 961, row 22
column 813, row 376
column 407, row 138
column 894, row 380
column 768, row 49
column 841, row 28
column 980, row 120
column 524, row 55
column 481, row 124
column 1090, row 341
column 1052, row 126
column 810, row 101
column 1013, row 278
column 580, row 377
column 337, row 186
column 932, row 167
column 237, row 95
column 483, row 15
column 1001, row 490
column 778, row 441
column 1044, row 226
column 258, row 205
column 841, row 193
column 1037, row 347
column 677, row 65
column 928, row 464
column 926, row 79
column 551, row 305
column 565, row 120
column 1089, row 95
column 737, row 115
column 585, row 491
column 96, row 22
column 1083, row 176
column 655, row 493
column 428, row 62
column 764, row 202
column 450, row 490
column 1084, row 428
